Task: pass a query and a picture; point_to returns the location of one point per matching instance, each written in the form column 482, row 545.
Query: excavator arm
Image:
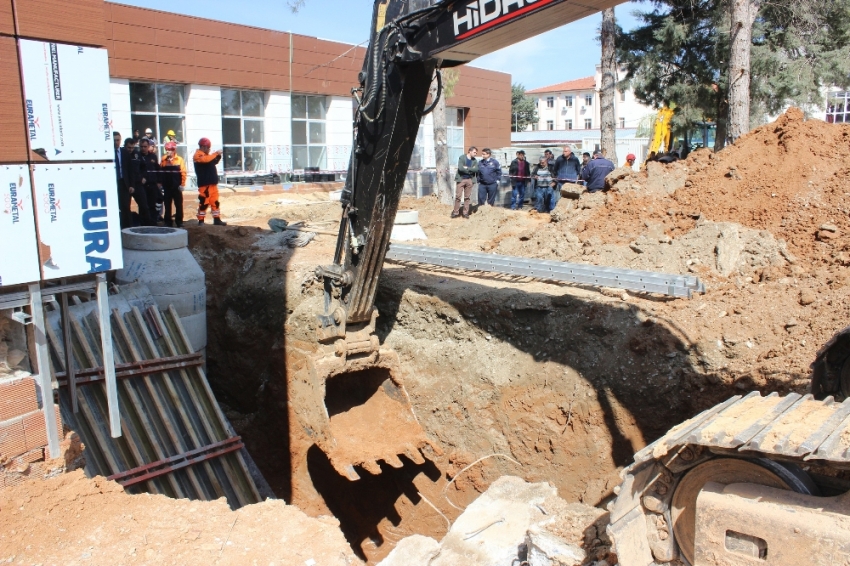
column 411, row 40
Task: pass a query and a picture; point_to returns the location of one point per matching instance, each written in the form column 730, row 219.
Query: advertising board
column 66, row 96
column 18, row 243
column 78, row 219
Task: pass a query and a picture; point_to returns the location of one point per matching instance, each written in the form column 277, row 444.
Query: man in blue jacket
column 567, row 170
column 596, row 171
column 489, row 173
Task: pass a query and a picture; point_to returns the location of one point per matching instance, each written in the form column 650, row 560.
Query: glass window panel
column 233, row 159
column 230, row 102
column 182, row 151
column 318, row 157
column 460, row 117
column 252, row 103
column 316, row 107
column 170, row 98
column 231, row 130
column 255, row 159
column 454, row 154
column 455, row 136
column 174, row 124
column 142, row 97
column 317, row 132
column 299, row 133
column 253, row 131
column 141, row 122
column 299, row 157
column 451, row 117
column 299, row 106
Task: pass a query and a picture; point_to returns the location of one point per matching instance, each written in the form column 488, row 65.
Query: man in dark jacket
column 520, row 172
column 207, row 175
column 467, row 171
column 585, row 159
column 489, row 174
column 128, row 173
column 567, row 170
column 596, row 171
column 149, row 168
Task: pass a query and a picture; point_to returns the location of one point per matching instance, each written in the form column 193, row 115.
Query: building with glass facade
column 272, row 101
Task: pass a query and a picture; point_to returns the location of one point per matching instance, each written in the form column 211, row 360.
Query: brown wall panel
column 13, row 134
column 77, row 22
column 7, row 24
column 152, row 45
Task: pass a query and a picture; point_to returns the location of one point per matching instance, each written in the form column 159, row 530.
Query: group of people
column 547, row 177
column 157, row 184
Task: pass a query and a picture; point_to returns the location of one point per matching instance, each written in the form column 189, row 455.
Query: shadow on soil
column 629, row 358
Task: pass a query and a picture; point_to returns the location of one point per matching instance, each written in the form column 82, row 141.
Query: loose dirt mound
column 74, row 520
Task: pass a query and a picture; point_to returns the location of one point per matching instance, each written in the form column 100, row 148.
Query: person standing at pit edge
column 520, row 172
column 489, row 173
column 173, row 175
column 467, row 170
column 207, row 175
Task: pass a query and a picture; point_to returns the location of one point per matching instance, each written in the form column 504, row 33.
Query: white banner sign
column 78, row 219
column 66, row 91
column 18, row 244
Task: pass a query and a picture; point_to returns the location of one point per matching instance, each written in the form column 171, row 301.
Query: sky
column 567, row 53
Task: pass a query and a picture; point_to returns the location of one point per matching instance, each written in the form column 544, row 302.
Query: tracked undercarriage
column 736, row 485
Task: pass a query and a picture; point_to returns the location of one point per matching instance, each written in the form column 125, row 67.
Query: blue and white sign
column 78, row 219
column 19, row 256
column 66, row 95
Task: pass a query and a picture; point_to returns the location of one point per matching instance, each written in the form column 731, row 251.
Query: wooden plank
column 203, row 413
column 200, row 379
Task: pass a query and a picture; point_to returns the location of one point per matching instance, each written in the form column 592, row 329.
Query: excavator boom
column 410, row 41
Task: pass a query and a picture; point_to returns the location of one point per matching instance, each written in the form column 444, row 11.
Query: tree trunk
column 608, row 91
column 722, row 126
column 743, row 16
column 443, row 186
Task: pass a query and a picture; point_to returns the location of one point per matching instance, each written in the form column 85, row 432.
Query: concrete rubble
column 513, row 522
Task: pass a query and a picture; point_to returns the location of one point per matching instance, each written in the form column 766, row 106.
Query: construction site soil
column 568, row 382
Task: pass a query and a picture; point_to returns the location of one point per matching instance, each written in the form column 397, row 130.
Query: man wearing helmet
column 207, row 174
column 173, row 177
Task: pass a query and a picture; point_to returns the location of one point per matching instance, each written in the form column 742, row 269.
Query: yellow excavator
column 661, row 134
column 754, row 480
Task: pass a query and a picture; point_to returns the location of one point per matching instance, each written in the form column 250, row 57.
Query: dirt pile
column 74, row 520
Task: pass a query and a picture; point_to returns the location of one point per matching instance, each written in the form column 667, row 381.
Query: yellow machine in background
column 661, row 133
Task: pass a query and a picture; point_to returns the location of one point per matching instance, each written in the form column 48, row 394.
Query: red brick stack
column 23, row 433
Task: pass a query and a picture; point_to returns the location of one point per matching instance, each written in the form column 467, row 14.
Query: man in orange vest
column 207, row 175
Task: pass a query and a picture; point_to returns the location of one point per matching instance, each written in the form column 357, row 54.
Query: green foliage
column 450, row 79
column 680, row 54
column 523, row 109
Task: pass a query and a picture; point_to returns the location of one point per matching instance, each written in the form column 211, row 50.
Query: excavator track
column 777, row 434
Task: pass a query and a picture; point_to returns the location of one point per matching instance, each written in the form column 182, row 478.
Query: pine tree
column 681, row 54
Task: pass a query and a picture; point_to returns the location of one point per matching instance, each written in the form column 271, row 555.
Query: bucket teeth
column 372, row 467
column 414, row 455
column 346, row 470
column 394, row 461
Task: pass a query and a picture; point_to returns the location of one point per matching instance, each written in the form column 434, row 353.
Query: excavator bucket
column 360, row 414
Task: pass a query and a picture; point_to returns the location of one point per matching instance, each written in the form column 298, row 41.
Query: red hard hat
column 170, row 146
column 205, row 142
column 630, row 156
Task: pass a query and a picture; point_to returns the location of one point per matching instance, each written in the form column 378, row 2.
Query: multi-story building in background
column 574, row 105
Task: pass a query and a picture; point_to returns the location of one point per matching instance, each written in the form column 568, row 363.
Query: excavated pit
column 567, row 382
